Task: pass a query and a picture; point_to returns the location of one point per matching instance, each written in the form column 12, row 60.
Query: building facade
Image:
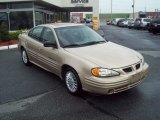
column 24, row 14
column 145, row 14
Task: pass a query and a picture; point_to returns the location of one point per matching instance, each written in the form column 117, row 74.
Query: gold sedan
column 81, row 57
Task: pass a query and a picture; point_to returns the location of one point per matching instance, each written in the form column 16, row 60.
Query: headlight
column 103, row 72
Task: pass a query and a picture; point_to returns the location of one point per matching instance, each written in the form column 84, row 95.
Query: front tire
column 25, row 58
column 72, row 81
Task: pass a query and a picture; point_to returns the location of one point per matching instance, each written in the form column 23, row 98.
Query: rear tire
column 24, row 57
column 72, row 81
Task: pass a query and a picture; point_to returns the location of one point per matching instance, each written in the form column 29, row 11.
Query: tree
column 4, row 34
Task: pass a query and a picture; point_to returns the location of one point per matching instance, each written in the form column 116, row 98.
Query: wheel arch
column 22, row 48
column 64, row 67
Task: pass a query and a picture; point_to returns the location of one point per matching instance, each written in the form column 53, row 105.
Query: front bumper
column 111, row 85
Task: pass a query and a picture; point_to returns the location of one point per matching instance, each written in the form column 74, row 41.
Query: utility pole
column 133, row 7
column 111, row 10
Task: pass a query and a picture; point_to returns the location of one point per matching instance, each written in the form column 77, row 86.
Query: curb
column 8, row 47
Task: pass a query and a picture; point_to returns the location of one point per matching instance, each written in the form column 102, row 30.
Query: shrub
column 4, row 34
column 14, row 35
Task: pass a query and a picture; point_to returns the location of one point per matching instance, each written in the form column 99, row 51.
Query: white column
column 34, row 17
column 96, row 9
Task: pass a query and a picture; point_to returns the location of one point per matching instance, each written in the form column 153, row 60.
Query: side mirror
column 50, row 44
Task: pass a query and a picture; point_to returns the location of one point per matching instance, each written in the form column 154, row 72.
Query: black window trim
column 52, row 33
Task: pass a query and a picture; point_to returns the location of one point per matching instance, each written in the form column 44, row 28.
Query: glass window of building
column 50, row 18
column 3, row 18
column 3, row 6
column 21, row 20
column 20, row 5
column 39, row 18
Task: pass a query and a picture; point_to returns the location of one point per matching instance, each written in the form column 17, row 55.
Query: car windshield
column 77, row 36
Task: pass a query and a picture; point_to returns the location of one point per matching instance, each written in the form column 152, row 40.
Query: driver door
column 48, row 56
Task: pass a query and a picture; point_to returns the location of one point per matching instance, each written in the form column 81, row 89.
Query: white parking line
column 20, row 105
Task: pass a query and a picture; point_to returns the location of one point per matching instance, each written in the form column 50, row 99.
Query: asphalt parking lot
column 30, row 93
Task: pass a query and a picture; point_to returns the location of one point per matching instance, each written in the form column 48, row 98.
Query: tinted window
column 48, row 35
column 36, row 33
column 20, row 5
column 21, row 20
column 3, row 6
column 3, row 18
column 39, row 18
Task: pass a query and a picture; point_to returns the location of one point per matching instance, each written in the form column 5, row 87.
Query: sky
column 125, row 6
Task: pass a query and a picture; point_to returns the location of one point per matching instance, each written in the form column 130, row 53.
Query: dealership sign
column 79, row 1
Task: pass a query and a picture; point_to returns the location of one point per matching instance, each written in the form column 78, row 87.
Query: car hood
column 107, row 55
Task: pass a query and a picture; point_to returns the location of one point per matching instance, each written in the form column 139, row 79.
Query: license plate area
column 136, row 77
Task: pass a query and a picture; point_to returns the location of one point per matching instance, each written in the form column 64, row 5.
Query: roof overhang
column 52, row 6
column 38, row 2
column 5, row 1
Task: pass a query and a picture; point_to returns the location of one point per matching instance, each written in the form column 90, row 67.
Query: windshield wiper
column 94, row 42
column 81, row 45
column 72, row 45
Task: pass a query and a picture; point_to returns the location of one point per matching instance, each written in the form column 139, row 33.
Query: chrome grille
column 132, row 68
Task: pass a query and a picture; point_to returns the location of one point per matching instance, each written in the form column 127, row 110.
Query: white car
column 144, row 22
column 115, row 21
column 126, row 22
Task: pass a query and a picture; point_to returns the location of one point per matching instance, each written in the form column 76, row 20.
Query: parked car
column 141, row 23
column 144, row 22
column 154, row 26
column 88, row 20
column 137, row 23
column 124, row 23
column 82, row 58
column 108, row 22
column 131, row 23
column 120, row 22
column 115, row 21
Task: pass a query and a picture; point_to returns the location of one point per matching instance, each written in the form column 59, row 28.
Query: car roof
column 58, row 25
